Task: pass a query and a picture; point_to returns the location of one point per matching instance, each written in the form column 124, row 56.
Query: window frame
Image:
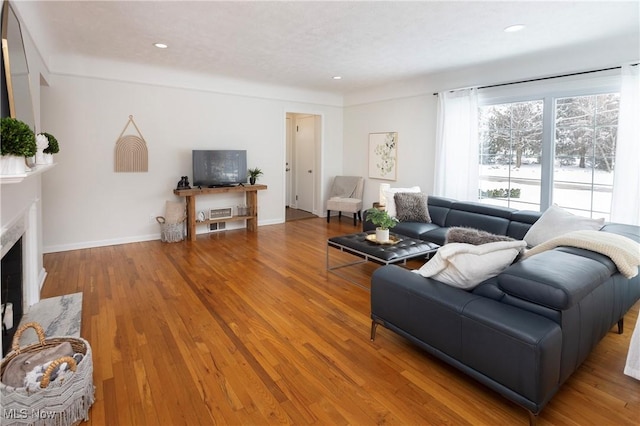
column 548, row 91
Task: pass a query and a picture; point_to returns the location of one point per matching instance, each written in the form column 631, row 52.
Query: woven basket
column 56, row 403
column 170, row 232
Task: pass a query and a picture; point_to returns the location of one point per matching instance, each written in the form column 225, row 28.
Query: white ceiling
column 304, row 44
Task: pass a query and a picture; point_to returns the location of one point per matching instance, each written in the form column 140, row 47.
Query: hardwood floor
column 248, row 328
column 297, row 214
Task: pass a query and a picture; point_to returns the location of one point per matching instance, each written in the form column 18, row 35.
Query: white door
column 289, row 163
column 305, row 162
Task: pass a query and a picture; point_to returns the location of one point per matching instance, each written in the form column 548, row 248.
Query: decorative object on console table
column 254, row 174
column 131, row 153
column 221, row 213
column 184, row 183
column 383, row 154
column 18, row 142
column 384, row 222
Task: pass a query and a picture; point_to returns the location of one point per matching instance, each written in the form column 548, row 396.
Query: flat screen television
column 213, row 168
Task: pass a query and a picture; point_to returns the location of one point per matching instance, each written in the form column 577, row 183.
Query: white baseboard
column 117, row 241
column 99, row 243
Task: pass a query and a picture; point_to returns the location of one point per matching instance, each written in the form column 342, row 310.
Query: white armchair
column 346, row 196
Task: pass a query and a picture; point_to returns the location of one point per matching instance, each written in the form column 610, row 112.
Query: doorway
column 302, row 166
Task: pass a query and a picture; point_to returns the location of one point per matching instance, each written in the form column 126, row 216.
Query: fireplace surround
column 12, row 294
column 21, row 222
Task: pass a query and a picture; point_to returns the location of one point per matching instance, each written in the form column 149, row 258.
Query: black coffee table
column 358, row 245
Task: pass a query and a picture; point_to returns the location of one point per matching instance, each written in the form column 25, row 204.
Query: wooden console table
column 251, row 217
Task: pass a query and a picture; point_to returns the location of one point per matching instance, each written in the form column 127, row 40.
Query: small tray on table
column 392, row 239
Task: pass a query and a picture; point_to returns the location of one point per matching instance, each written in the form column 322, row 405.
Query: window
column 510, row 154
column 585, row 141
column 556, row 148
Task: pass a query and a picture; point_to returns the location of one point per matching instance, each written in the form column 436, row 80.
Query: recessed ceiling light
column 337, row 77
column 514, row 28
column 160, row 45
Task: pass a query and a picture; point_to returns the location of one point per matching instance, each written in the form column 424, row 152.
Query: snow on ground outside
column 572, row 187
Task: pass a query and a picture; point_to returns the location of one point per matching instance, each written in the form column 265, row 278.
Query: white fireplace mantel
column 21, row 216
column 35, row 170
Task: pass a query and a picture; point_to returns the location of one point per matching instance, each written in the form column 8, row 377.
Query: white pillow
column 466, row 265
column 390, row 200
column 556, row 221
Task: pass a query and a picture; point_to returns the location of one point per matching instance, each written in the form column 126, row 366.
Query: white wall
column 414, row 120
column 86, row 204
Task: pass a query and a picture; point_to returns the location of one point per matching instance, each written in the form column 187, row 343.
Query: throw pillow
column 390, row 199
column 412, row 207
column 18, row 367
column 556, row 221
column 465, row 265
column 459, row 234
column 174, row 212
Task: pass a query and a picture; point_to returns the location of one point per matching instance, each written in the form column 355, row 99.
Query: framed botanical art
column 383, row 155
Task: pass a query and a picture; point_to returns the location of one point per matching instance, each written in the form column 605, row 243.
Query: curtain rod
column 548, row 78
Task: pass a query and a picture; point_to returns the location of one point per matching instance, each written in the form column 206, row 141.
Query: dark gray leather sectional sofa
column 521, row 333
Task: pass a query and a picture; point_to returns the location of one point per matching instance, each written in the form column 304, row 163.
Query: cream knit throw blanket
column 623, row 251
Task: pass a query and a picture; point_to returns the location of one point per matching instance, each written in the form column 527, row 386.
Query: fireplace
column 20, row 236
column 12, row 294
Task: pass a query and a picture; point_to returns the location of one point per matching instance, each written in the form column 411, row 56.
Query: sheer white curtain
column 456, row 162
column 625, row 203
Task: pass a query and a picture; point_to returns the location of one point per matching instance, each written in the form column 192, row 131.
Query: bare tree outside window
column 511, row 139
column 510, row 150
column 586, row 132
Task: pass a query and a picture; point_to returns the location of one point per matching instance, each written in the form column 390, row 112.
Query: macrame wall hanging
column 131, row 153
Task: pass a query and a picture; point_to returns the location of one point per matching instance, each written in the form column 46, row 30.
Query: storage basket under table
column 55, row 403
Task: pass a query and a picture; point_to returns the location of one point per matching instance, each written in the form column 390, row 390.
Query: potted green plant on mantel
column 18, row 143
column 254, row 174
column 47, row 146
column 383, row 221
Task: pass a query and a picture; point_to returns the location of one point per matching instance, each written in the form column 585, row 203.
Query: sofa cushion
column 415, row 229
column 465, row 265
column 474, row 215
column 439, row 207
column 516, row 348
column 483, row 209
column 389, row 195
column 412, row 207
column 521, row 222
column 629, row 231
column 459, row 234
column 623, row 251
column 437, row 235
column 556, row 279
column 557, row 221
